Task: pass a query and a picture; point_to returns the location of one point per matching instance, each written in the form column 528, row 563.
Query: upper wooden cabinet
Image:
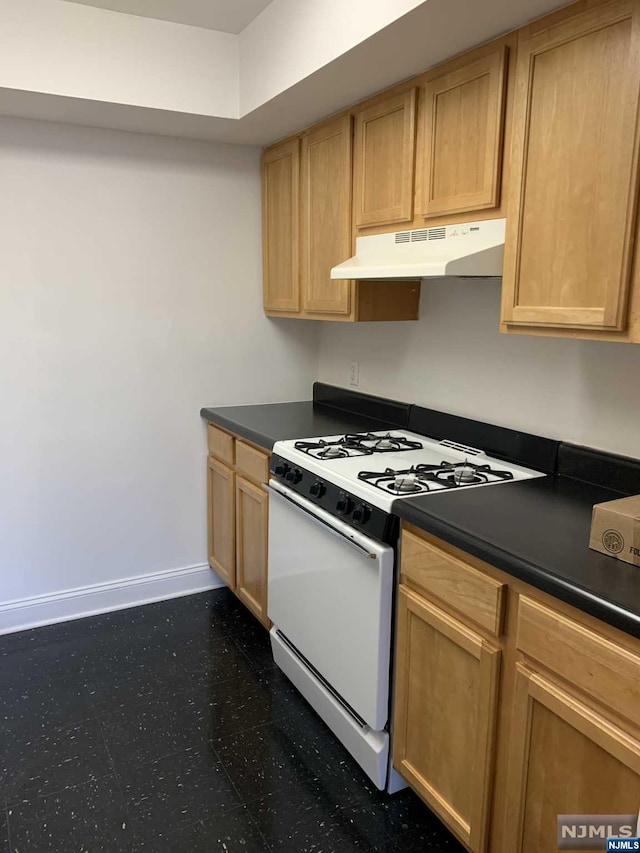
column 313, row 191
column 573, row 181
column 326, row 215
column 462, row 135
column 280, row 224
column 385, row 161
column 539, row 126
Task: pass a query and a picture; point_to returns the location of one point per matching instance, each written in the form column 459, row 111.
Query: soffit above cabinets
column 294, row 63
column 222, row 15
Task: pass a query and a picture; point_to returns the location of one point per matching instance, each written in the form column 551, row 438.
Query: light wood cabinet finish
column 385, row 161
column 478, row 597
column 564, row 706
column 252, row 515
column 373, row 302
column 463, row 120
column 280, row 226
column 220, row 444
column 565, row 759
column 445, row 709
column 326, row 215
column 237, row 518
column 251, row 462
column 572, row 203
column 221, row 521
column 539, row 126
column 594, row 664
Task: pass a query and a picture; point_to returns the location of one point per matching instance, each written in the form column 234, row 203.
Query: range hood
column 470, row 249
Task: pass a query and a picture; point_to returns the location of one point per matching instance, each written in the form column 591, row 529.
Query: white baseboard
column 103, row 597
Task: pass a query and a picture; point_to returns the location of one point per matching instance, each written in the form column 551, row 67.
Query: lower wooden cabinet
column 252, row 519
column 500, row 730
column 221, row 518
column 237, row 518
column 565, row 758
column 445, row 712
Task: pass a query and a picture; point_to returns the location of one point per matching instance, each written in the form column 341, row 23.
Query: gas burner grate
column 419, row 479
column 339, row 449
column 357, row 444
column 388, row 443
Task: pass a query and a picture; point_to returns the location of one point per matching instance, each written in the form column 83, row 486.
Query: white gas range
column 332, row 547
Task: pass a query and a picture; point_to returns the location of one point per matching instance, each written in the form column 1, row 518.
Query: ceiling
column 228, row 16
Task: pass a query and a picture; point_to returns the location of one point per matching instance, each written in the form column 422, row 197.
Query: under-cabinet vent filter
column 420, row 235
column 470, row 249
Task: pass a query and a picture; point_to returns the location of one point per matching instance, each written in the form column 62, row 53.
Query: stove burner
column 426, row 478
column 356, row 444
column 332, row 451
column 405, row 483
column 465, row 474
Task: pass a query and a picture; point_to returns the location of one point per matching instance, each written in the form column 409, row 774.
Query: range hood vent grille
column 419, row 235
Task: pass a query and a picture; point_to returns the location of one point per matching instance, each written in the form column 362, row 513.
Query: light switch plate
column 354, row 373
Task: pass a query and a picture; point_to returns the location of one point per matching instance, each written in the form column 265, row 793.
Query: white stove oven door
column 330, row 595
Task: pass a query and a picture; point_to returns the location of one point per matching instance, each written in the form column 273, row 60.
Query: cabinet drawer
column 251, row 462
column 220, row 444
column 475, row 595
column 600, row 667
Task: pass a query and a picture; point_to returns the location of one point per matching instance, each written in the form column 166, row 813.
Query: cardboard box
column 615, row 529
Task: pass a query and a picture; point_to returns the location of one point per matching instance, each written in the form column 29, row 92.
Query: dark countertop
column 271, row 422
column 538, row 531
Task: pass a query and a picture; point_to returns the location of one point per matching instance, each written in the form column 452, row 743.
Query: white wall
column 290, row 40
column 83, row 52
column 455, row 360
column 296, row 63
column 130, row 297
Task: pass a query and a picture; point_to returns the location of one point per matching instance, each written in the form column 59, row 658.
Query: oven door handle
column 298, row 505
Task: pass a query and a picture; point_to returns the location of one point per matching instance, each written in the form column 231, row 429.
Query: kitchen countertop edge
column 236, row 419
column 537, row 576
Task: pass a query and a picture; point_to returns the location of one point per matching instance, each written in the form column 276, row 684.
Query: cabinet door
column 445, row 715
column 326, row 215
column 565, row 759
column 280, row 212
column 221, row 520
column 463, row 124
column 252, row 518
column 573, row 181
column 385, row 161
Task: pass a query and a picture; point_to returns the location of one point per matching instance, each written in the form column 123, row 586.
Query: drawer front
column 220, row 444
column 601, row 668
column 252, row 463
column 477, row 596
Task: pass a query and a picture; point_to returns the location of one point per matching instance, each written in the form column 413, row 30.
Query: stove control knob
column 281, row 469
column 317, row 489
column 293, row 475
column 361, row 514
column 344, row 505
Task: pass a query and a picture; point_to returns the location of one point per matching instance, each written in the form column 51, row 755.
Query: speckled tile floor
column 168, row 729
